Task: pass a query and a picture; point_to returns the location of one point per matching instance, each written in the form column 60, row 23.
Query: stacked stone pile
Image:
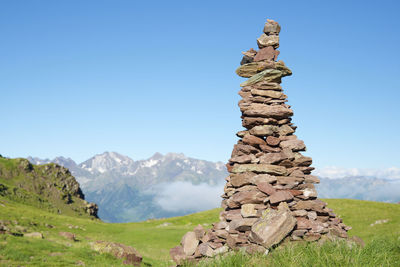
column 269, row 195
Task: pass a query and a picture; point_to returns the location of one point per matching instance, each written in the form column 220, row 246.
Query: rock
column 68, row 235
column 268, row 75
column 294, row 145
column 177, row 254
column 272, row 158
column 272, row 27
column 247, row 197
column 241, row 149
column 300, row 213
column 303, row 223
column 249, row 122
column 285, row 130
column 357, row 240
column 299, row 233
column 205, row 250
column 242, row 159
column 268, row 93
column 220, row 225
column 118, row 250
column 199, row 231
column 243, row 224
column 34, row 235
column 310, row 193
column 263, row 130
column 259, row 168
column 260, row 178
column 312, row 179
column 269, row 149
column 233, row 215
column 261, row 110
column 309, row 205
column 241, row 179
column 248, row 210
column 312, row 215
column 221, row 250
column 266, row 188
column 267, row 53
column 189, row 243
column 310, row 237
column 268, row 40
column 250, row 69
column 253, row 140
column 273, row 141
column 264, row 85
column 273, row 227
column 280, row 196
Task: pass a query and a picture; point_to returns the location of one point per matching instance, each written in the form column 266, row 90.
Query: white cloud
column 334, row 172
column 184, row 196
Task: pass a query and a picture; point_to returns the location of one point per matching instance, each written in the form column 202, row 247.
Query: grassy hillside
column 153, row 239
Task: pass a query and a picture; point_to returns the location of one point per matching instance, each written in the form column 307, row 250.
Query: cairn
column 269, row 196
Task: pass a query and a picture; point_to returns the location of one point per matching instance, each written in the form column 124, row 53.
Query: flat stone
column 294, row 145
column 259, row 168
column 240, row 149
column 261, row 110
column 253, row 140
column 312, row 179
column 310, row 193
column 309, row 205
column 268, row 75
column 242, row 159
column 261, row 178
column 189, row 243
column 264, row 85
column 280, row 196
column 248, row 210
column 268, row 93
column 266, row 188
column 267, row 53
column 263, row 130
column 273, row 227
column 199, row 231
column 272, row 158
column 242, row 225
column 285, row 130
column 220, row 225
column 241, row 179
column 250, row 69
column 268, row 40
column 300, row 213
column 248, row 197
column 303, row 223
column 205, row 250
column 269, row 149
column 233, row 214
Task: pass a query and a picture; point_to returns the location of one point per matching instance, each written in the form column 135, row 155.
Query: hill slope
column 50, row 187
column 154, row 238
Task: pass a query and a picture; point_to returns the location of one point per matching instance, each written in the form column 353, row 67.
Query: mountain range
column 173, row 185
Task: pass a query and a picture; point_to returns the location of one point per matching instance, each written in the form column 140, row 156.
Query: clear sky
column 79, row 78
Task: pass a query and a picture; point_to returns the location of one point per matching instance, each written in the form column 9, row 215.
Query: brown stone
column 240, row 179
column 268, row 40
column 309, row 205
column 189, row 243
column 253, row 140
column 312, row 179
column 271, row 27
column 120, row 251
column 272, row 158
column 303, row 223
column 263, row 130
column 234, row 214
column 261, row 110
column 248, row 197
column 220, row 225
column 295, row 145
column 268, row 93
column 250, row 69
column 242, row 224
column 241, row 149
column 264, row 85
column 267, row 53
column 259, row 168
column 280, row 196
column 270, row 149
column 68, row 235
column 273, row 141
column 250, row 122
column 285, row 130
column 266, row 188
column 242, row 159
column 177, row 254
column 248, row 210
column 199, row 231
column 204, row 250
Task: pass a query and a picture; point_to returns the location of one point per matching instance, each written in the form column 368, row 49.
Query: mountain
column 128, row 190
column 173, row 185
column 50, row 187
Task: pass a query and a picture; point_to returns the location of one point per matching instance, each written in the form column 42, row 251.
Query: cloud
column 185, row 196
column 333, row 172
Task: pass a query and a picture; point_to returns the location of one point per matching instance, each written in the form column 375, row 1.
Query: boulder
column 189, row 243
column 119, row 251
column 241, row 179
column 243, row 224
column 273, row 227
column 199, row 231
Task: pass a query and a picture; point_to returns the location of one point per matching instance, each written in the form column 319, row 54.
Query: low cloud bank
column 333, row 172
column 187, row 197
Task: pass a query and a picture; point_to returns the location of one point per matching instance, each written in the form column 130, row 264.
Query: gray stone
column 263, row 130
column 268, row 40
column 273, row 227
column 261, row 110
column 189, row 243
column 268, row 75
column 248, row 210
column 250, row 69
column 280, row 196
column 259, row 168
column 294, row 144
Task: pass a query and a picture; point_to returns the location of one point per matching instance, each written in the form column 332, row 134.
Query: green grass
column 154, row 238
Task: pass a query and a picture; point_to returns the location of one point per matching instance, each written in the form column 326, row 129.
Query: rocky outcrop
column 269, row 195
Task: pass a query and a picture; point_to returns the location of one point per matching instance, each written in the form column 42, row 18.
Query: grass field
column 154, row 238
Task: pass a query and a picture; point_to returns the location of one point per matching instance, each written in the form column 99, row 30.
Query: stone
column 261, row 110
column 205, row 250
column 280, row 196
column 241, row 179
column 250, row 69
column 263, row 130
column 312, row 215
column 250, row 53
column 68, row 235
column 220, row 225
column 271, row 27
column 272, row 158
column 264, row 85
column 259, row 168
column 241, row 134
column 267, row 53
column 273, row 141
column 221, row 250
column 242, row 225
column 273, row 227
column 300, row 213
column 189, row 243
column 268, row 75
column 199, row 231
column 177, row 254
column 119, row 251
column 249, row 122
column 309, row 205
column 253, row 140
column 268, row 40
column 311, row 179
column 242, row 159
column 247, row 197
column 303, row 223
column 241, row 149
column 299, row 233
column 233, row 214
column 285, row 130
column 310, row 193
column 311, row 237
column 294, row 145
column 266, row 188
column 268, row 93
column 246, row 60
column 269, row 149
column 248, row 210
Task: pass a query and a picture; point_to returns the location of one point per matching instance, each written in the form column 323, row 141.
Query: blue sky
column 79, row 78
